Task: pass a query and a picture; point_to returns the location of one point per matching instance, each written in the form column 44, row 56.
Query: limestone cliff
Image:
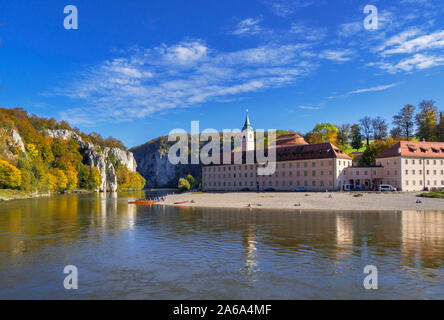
column 103, row 159
column 153, row 165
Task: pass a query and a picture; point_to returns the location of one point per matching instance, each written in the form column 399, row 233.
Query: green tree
column 184, row 185
column 404, row 121
column 440, row 128
column 190, row 179
column 427, row 120
column 366, row 128
column 344, row 134
column 380, row 128
column 369, row 156
column 356, row 137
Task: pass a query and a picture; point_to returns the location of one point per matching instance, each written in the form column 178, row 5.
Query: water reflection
column 245, row 254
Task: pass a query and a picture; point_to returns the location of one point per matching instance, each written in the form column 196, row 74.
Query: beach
column 309, row 201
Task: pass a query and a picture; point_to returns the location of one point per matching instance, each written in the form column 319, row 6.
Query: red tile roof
column 290, row 139
column 415, row 149
column 302, row 152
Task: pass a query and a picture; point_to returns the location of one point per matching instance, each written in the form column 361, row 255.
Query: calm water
column 128, row 252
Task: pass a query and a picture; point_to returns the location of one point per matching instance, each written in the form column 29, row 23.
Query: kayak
column 183, row 202
column 142, row 202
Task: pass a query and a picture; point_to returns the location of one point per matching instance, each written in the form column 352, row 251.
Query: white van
column 386, row 187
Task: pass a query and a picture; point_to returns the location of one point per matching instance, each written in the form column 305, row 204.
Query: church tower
column 247, row 135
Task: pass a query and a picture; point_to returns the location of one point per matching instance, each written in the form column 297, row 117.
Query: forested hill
column 43, row 155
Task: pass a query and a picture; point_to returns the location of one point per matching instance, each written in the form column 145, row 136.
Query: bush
column 184, row 185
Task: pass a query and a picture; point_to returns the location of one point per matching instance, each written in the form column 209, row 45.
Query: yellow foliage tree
column 60, row 179
column 32, row 151
column 71, row 176
column 10, row 176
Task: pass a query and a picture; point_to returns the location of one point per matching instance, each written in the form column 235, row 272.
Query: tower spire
column 247, row 125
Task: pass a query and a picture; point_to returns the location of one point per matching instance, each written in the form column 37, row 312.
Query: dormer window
column 424, row 150
column 435, row 150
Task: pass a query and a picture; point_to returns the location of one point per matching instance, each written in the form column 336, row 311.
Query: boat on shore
column 183, row 202
column 143, row 202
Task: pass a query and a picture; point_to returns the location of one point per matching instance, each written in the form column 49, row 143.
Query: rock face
column 102, row 158
column 12, row 141
column 153, row 165
column 17, row 140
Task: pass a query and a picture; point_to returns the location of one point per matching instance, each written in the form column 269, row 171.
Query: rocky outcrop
column 11, row 143
column 153, row 165
column 17, row 140
column 102, row 158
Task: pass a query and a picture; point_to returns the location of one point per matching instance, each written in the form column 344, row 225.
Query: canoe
column 143, row 202
column 183, row 202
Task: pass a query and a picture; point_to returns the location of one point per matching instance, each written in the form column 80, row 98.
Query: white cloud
column 149, row 81
column 350, row 29
column 373, row 89
column 417, row 62
column 339, row 55
column 304, row 107
column 284, row 8
column 308, row 33
column 400, row 44
column 366, row 90
column 248, row 26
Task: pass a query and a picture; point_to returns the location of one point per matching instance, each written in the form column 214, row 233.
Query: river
column 125, row 251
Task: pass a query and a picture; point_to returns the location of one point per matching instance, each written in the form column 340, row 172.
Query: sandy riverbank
column 309, row 201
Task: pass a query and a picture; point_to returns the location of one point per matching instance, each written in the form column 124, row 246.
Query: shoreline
column 307, row 201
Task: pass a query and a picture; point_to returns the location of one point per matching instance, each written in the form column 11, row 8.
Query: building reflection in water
column 422, row 235
column 249, row 242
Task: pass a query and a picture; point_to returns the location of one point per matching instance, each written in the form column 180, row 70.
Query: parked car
column 269, row 190
column 300, row 189
column 386, row 187
column 245, row 190
column 347, row 187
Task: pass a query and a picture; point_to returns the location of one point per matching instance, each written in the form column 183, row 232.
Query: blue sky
column 138, row 69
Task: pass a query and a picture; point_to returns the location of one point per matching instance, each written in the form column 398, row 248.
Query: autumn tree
column 10, row 176
column 404, row 122
column 323, row 132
